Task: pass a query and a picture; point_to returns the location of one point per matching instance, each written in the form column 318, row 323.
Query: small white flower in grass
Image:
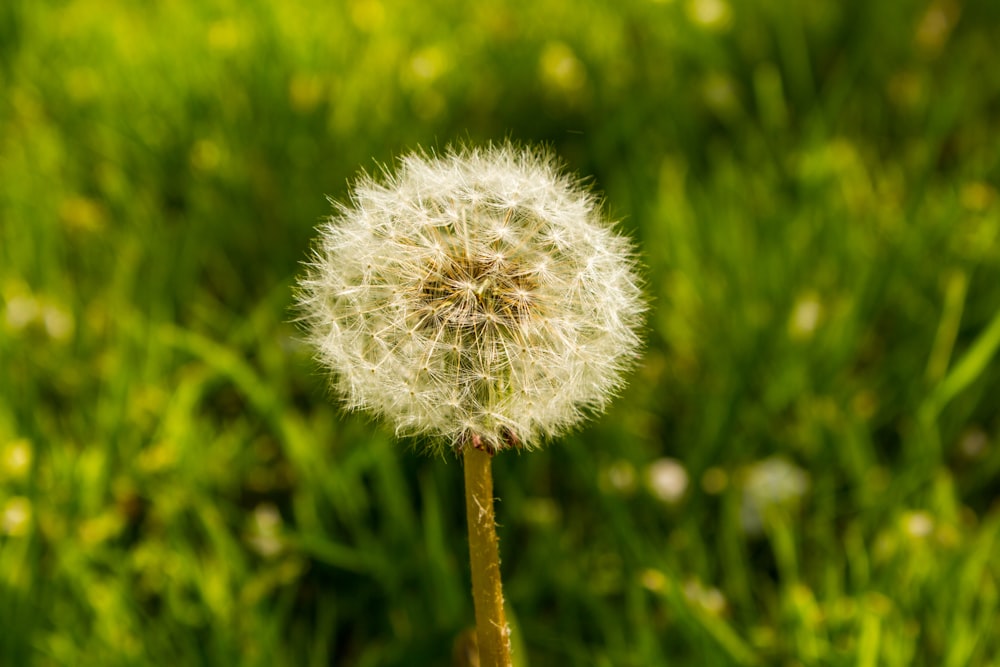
column 768, row 485
column 265, row 533
column 667, row 480
column 619, row 477
column 918, row 525
column 479, row 294
column 15, row 519
column 708, row 598
column 16, row 459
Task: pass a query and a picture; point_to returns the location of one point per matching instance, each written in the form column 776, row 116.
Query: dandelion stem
column 492, row 632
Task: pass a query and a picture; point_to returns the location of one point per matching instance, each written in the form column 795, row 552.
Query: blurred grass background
column 804, row 471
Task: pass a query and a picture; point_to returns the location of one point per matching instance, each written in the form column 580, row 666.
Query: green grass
column 814, row 188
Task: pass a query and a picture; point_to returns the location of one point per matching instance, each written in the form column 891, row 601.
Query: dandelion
column 481, row 299
column 478, row 295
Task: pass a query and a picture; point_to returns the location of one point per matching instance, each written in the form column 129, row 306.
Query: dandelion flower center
column 466, row 293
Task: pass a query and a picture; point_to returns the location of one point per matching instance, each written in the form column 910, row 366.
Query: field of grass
column 804, row 471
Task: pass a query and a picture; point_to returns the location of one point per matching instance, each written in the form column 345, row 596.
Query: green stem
column 493, row 634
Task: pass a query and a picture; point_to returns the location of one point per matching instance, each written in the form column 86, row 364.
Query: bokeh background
column 804, row 471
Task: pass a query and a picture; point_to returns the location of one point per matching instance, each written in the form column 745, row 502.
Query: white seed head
column 476, row 296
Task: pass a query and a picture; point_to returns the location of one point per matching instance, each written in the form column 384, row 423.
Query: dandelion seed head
column 480, row 292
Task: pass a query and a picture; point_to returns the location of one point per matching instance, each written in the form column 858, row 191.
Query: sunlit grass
column 814, row 189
